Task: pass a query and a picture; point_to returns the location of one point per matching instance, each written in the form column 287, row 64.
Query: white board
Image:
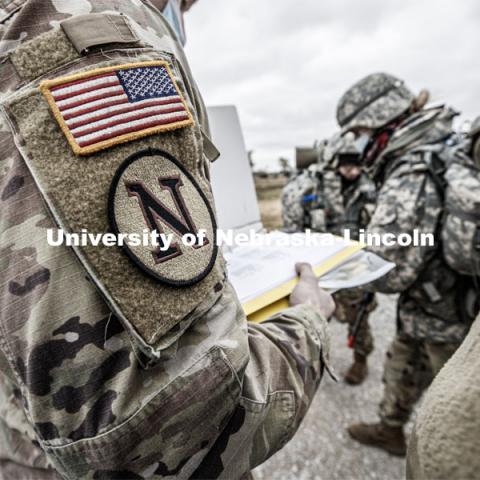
column 232, row 179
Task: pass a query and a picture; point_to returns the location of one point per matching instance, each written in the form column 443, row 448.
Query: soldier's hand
column 308, row 292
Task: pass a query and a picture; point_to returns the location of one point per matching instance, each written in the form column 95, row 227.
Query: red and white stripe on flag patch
column 107, row 106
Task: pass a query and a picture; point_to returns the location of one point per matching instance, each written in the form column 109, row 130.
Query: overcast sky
column 285, row 63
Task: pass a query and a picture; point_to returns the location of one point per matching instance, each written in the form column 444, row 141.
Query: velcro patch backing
column 103, row 107
column 77, row 193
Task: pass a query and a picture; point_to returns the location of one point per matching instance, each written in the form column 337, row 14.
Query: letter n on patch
column 107, row 106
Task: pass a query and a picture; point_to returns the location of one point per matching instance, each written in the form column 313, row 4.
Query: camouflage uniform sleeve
column 288, row 355
column 408, row 201
column 294, row 346
column 224, row 396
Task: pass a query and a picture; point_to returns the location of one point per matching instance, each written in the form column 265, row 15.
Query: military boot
column 358, row 371
column 380, row 435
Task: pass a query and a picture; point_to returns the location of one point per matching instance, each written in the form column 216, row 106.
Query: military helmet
column 340, row 146
column 475, row 128
column 332, row 146
column 348, row 153
column 373, row 102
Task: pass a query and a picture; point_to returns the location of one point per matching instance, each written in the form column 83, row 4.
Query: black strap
column 365, row 105
column 436, row 167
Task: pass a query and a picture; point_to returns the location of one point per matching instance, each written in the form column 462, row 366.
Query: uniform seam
column 270, row 394
column 116, row 27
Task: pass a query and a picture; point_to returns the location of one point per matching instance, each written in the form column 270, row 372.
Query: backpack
column 461, row 226
column 458, row 182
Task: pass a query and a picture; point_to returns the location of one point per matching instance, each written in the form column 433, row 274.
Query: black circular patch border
column 151, row 152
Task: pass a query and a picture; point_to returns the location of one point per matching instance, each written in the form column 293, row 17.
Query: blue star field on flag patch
column 144, row 83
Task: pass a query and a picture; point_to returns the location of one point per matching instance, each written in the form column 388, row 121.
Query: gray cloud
column 285, row 63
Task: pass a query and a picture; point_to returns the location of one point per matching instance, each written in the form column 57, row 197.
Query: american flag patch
column 108, row 106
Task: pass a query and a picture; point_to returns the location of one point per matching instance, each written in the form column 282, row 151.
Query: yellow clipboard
column 264, row 306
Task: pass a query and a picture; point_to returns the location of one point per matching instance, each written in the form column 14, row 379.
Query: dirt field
column 269, row 191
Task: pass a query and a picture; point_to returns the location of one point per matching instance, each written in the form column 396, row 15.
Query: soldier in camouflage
column 391, row 121
column 445, row 438
column 335, row 195
column 76, row 399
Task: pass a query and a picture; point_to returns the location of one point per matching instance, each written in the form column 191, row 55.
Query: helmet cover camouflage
column 373, row 102
column 349, row 153
column 332, row 147
column 340, row 145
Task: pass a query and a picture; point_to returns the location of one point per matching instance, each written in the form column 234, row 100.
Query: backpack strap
column 436, row 167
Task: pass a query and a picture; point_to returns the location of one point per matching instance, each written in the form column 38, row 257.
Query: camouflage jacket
column 315, row 199
column 408, row 199
column 76, row 400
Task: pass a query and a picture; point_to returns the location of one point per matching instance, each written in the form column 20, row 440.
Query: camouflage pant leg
column 364, row 340
column 409, row 369
column 439, row 354
column 348, row 306
column 407, row 373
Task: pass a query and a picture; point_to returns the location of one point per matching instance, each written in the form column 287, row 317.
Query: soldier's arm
column 288, row 355
column 83, row 393
column 408, row 201
column 223, row 391
column 295, row 345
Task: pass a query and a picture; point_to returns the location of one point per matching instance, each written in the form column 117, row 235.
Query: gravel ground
column 322, row 448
